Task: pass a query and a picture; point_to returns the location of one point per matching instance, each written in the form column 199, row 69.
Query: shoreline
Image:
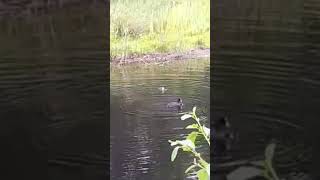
column 162, row 57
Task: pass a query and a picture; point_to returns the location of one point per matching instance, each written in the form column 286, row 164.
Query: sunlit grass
column 147, row 26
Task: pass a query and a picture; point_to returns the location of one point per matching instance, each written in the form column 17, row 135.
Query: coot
column 177, row 104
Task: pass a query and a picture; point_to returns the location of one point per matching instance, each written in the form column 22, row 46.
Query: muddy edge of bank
column 161, row 57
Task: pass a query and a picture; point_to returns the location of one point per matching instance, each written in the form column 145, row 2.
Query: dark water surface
column 141, row 124
column 266, row 78
column 53, row 94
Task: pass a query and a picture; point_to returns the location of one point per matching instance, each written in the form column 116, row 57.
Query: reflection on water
column 53, row 93
column 141, row 124
column 263, row 78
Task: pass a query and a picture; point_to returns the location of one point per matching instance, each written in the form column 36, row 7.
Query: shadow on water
column 53, row 91
column 265, row 77
column 141, row 123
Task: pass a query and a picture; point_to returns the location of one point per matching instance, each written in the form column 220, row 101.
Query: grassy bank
column 148, row 26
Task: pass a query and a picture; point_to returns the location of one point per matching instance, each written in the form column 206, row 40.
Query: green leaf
column 187, row 143
column 269, row 153
column 202, row 174
column 190, row 167
column 194, row 110
column 192, row 136
column 186, row 116
column 192, row 126
column 208, row 169
column 185, row 149
column 173, row 143
column 244, row 173
column 174, row 153
column 182, row 113
column 257, row 163
column 206, row 131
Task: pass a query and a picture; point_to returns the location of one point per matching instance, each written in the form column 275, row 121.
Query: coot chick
column 177, row 104
column 162, row 89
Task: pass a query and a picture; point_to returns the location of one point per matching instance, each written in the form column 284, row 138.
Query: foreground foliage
column 263, row 168
column 188, row 145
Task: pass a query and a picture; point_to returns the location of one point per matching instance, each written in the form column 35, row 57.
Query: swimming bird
column 223, row 135
column 162, row 89
column 221, row 124
column 177, row 104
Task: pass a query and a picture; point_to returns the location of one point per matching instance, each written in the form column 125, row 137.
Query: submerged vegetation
column 149, row 26
column 189, row 145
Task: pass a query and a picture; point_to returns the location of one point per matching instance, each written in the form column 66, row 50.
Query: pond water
column 141, row 124
column 266, row 78
column 54, row 94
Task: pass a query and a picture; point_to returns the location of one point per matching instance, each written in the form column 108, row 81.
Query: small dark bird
column 222, row 136
column 177, row 104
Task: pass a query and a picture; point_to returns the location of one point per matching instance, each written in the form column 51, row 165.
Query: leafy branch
column 262, row 168
column 188, row 145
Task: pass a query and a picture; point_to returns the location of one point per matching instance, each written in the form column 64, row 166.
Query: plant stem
column 205, row 136
column 203, row 163
column 272, row 171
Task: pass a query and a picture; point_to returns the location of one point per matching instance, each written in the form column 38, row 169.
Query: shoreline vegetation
column 148, row 30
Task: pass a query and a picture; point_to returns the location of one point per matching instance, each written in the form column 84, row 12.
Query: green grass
column 149, row 26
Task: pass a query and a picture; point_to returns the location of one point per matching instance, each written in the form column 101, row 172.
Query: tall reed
column 158, row 25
